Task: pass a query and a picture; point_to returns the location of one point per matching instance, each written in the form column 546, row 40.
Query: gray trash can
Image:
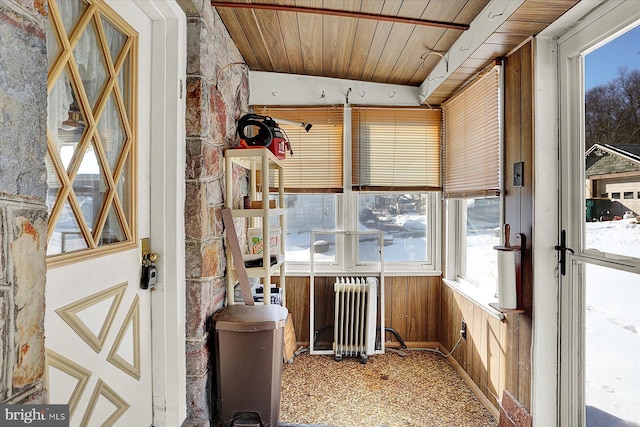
column 248, row 346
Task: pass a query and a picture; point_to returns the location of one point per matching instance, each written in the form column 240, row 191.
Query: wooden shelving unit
column 258, row 159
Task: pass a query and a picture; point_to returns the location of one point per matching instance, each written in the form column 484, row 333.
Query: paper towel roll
column 507, row 295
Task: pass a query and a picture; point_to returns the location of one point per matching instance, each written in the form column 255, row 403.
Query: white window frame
column 346, row 255
column 600, row 26
column 455, row 237
column 347, row 204
column 432, row 265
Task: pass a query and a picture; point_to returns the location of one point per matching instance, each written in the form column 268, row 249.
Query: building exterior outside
column 613, row 179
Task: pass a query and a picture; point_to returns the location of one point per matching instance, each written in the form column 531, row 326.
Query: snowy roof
column 630, row 152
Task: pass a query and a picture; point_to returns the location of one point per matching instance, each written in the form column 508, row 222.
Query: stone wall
column 23, row 212
column 217, row 95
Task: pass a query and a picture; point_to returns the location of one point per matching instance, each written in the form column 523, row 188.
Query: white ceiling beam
column 267, row 88
column 482, row 27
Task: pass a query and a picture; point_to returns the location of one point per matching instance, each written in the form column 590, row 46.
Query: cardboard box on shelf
column 256, row 245
column 257, row 204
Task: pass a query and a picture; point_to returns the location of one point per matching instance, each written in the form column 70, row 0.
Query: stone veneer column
column 213, row 108
column 23, row 188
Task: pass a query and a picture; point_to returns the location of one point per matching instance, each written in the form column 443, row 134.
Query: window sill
column 497, row 307
column 471, row 293
column 304, row 269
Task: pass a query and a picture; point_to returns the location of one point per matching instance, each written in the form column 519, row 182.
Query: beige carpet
column 421, row 389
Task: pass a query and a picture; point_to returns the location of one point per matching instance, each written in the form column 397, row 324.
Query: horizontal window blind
column 472, row 139
column 396, row 149
column 316, row 164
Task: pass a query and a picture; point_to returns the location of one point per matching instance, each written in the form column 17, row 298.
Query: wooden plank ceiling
column 307, row 37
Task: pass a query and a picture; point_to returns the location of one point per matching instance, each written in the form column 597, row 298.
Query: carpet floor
column 420, row 389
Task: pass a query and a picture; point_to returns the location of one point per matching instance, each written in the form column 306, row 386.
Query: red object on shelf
column 278, row 147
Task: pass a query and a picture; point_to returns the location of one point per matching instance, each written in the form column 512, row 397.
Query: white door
column 600, row 287
column 98, row 342
column 101, row 120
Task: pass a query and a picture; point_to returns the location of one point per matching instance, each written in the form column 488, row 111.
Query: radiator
column 355, row 317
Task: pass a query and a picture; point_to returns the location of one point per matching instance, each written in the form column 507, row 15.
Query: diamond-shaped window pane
column 71, row 11
column 90, row 60
column 90, row 187
column 65, row 119
column 72, row 102
column 112, row 231
column 111, row 132
column 67, row 236
column 115, row 39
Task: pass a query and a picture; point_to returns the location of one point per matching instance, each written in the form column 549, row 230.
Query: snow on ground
column 613, row 326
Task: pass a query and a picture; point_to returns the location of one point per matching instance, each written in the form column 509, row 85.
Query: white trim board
column 293, row 89
column 167, row 172
column 483, row 26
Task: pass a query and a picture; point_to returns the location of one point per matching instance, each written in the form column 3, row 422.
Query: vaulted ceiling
column 384, row 41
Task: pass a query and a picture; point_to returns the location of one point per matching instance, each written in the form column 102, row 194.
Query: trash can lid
column 246, row 318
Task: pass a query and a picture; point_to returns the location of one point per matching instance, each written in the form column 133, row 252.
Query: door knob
column 153, row 257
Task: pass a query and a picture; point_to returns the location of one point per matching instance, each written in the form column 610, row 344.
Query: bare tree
column 612, row 111
column 629, row 83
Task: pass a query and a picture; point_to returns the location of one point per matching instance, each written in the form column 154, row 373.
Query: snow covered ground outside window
column 612, row 328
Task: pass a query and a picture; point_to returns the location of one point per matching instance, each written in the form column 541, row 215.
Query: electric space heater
column 356, row 305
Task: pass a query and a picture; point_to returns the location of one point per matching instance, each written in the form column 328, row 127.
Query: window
column 405, row 220
column 472, row 185
column 473, row 228
column 408, row 222
column 306, row 213
column 90, row 129
column 472, row 139
column 316, row 163
column 628, row 194
column 479, row 232
column 404, row 206
column 600, row 287
column 396, row 149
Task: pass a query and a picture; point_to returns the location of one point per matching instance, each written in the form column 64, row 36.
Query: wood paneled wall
column 519, row 213
column 483, row 355
column 411, row 306
column 510, row 341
